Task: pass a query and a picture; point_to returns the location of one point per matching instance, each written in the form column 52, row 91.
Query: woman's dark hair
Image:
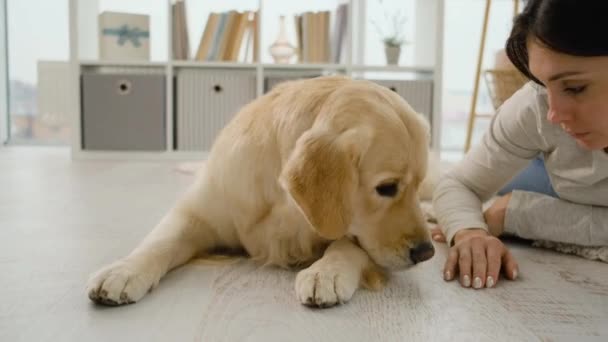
column 573, row 27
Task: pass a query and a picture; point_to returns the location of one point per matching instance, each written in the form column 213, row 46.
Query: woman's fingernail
column 447, row 275
column 466, row 281
column 489, row 282
column 436, row 237
column 514, row 274
column 477, row 283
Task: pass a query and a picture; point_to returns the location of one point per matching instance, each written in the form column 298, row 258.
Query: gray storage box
column 418, row 93
column 206, row 101
column 123, row 112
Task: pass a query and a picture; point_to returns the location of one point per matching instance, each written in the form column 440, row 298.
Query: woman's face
column 578, row 93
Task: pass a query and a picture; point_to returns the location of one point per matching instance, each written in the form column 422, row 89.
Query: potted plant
column 392, row 49
column 394, row 37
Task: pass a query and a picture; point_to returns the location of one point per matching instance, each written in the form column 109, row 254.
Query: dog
column 320, row 174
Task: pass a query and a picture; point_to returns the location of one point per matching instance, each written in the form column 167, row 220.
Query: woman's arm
column 512, row 140
column 535, row 216
column 507, row 147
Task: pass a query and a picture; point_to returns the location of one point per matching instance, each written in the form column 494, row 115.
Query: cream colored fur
column 292, row 180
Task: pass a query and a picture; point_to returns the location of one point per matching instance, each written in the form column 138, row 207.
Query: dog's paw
column 119, row 283
column 326, row 285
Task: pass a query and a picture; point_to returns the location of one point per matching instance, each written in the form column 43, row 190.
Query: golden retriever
column 321, row 172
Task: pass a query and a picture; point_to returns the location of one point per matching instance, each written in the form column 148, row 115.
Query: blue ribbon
column 125, row 34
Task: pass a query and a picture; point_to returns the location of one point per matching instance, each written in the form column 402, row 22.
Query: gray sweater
column 518, row 133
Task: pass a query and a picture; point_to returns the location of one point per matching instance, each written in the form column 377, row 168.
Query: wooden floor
column 60, row 220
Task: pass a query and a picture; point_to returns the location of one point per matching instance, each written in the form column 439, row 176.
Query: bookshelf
column 361, row 57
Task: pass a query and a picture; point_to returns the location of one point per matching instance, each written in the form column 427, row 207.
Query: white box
column 206, row 100
column 124, row 36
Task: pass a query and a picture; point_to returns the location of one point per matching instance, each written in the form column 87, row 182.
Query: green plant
column 393, row 41
column 394, row 36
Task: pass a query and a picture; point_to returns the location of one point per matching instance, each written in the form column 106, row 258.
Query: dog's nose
column 423, row 251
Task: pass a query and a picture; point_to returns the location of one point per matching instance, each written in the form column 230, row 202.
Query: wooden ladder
column 473, row 112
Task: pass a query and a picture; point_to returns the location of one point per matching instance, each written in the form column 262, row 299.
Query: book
column 227, row 35
column 298, row 23
column 237, row 38
column 181, row 46
column 207, row 36
column 214, row 51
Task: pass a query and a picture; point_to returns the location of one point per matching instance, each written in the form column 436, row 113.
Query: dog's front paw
column 326, row 285
column 119, row 283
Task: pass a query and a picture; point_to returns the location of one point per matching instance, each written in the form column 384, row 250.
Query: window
column 37, row 56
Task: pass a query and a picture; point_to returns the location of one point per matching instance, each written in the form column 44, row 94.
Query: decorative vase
column 392, row 54
column 282, row 50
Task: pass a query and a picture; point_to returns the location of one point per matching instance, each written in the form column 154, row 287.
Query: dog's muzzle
column 422, row 252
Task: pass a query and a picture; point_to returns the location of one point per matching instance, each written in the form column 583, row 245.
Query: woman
column 561, row 117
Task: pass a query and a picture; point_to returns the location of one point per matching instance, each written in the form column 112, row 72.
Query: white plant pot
column 392, row 54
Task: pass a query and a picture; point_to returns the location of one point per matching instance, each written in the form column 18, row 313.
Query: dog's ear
column 321, row 175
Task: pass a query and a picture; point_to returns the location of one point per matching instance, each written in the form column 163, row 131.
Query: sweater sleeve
column 511, row 141
column 539, row 217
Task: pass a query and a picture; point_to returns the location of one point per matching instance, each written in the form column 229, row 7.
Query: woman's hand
column 478, row 255
column 478, row 258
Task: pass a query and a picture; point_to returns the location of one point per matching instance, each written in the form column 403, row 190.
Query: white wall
column 3, row 76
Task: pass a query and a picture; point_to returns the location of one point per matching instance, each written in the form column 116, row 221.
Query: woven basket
column 502, row 84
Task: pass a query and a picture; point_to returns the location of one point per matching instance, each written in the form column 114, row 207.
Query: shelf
column 214, row 65
column 304, row 66
column 394, row 68
column 100, row 63
column 268, row 66
column 362, row 56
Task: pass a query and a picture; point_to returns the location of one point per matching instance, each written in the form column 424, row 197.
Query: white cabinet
column 205, row 101
column 420, row 64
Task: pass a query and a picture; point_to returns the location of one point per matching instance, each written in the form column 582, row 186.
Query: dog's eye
column 387, row 190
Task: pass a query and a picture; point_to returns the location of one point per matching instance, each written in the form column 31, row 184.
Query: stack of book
column 313, row 36
column 224, row 34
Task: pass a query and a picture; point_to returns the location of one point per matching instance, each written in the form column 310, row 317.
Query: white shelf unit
column 427, row 64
